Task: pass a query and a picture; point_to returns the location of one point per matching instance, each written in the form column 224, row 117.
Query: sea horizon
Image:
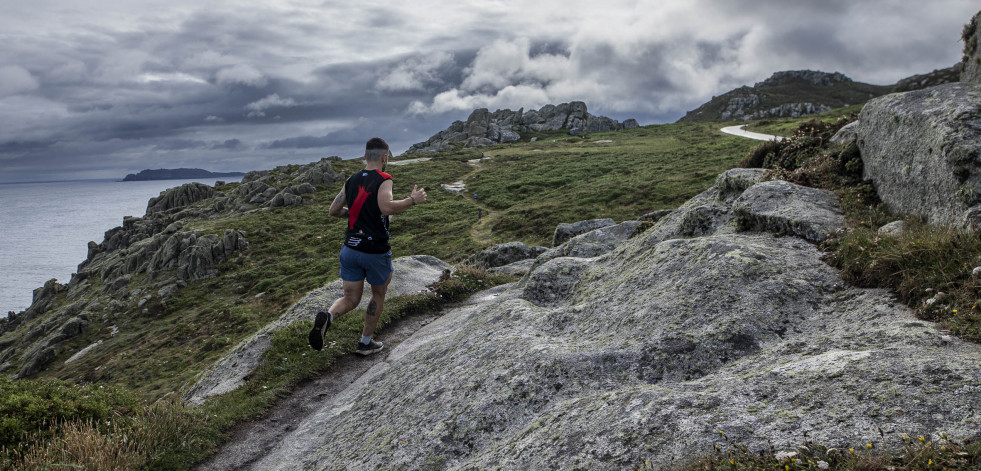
column 47, row 226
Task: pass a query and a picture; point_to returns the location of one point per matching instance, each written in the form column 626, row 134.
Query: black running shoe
column 370, row 348
column 320, row 326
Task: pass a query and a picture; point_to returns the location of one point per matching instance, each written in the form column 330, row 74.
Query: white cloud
column 243, row 74
column 170, row 77
column 414, row 73
column 257, row 108
column 213, row 119
column 15, row 80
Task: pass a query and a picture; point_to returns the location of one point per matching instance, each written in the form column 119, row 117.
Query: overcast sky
column 102, row 88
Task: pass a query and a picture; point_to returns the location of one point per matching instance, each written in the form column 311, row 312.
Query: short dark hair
column 375, row 149
column 376, row 143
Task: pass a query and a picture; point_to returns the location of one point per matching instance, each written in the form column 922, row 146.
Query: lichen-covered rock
column 848, row 133
column 922, row 149
column 733, row 183
column 644, row 355
column 505, row 254
column 566, row 231
column 786, row 208
column 971, row 71
column 179, row 197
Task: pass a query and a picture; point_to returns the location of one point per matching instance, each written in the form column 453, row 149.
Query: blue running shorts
column 358, row 266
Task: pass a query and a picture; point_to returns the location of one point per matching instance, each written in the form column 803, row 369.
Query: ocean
column 45, row 228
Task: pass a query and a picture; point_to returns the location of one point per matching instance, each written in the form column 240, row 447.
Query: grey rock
column 921, row 150
column 554, row 281
column 971, row 71
column 566, row 231
column 35, row 361
column 285, row 198
column 895, row 228
column 704, row 220
column 732, row 183
column 976, row 271
column 74, row 327
column 504, row 254
column 655, row 216
column 519, row 268
column 413, row 275
column 254, row 175
column 593, row 243
column 316, row 173
column 786, row 208
column 606, row 362
column 179, row 197
column 847, row 133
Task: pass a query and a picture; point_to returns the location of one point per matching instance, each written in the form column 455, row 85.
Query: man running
column 366, row 254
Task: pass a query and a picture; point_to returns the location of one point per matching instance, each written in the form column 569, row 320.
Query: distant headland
column 177, row 174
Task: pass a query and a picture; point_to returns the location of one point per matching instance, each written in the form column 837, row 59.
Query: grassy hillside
column 524, row 190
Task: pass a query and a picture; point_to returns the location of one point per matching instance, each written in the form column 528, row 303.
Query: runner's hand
column 418, row 194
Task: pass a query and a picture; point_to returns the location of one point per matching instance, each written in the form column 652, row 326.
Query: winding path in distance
column 739, row 131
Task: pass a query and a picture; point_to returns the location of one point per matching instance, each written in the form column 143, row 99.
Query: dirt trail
column 253, row 440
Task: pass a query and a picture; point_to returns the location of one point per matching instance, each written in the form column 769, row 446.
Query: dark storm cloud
column 93, row 92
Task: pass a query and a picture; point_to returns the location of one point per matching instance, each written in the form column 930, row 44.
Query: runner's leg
column 374, row 310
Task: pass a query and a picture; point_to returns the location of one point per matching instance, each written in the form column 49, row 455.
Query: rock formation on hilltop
column 484, row 128
column 791, row 93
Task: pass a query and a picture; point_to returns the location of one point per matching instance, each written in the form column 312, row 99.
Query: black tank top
column 367, row 227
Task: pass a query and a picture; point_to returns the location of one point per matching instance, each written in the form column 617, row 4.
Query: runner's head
column 375, row 150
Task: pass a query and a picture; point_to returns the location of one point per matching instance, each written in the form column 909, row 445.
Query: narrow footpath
column 739, row 130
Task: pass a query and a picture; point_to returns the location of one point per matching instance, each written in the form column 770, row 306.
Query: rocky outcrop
column 922, row 149
column 643, row 355
column 179, row 197
column 971, row 62
column 505, row 254
column 413, row 275
column 484, row 128
column 792, row 93
column 930, row 79
column 814, row 77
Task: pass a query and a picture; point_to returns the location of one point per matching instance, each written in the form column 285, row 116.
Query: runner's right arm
column 337, row 208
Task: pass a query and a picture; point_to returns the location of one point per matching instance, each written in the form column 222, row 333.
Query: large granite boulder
column 786, row 208
column 971, row 63
column 921, row 149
